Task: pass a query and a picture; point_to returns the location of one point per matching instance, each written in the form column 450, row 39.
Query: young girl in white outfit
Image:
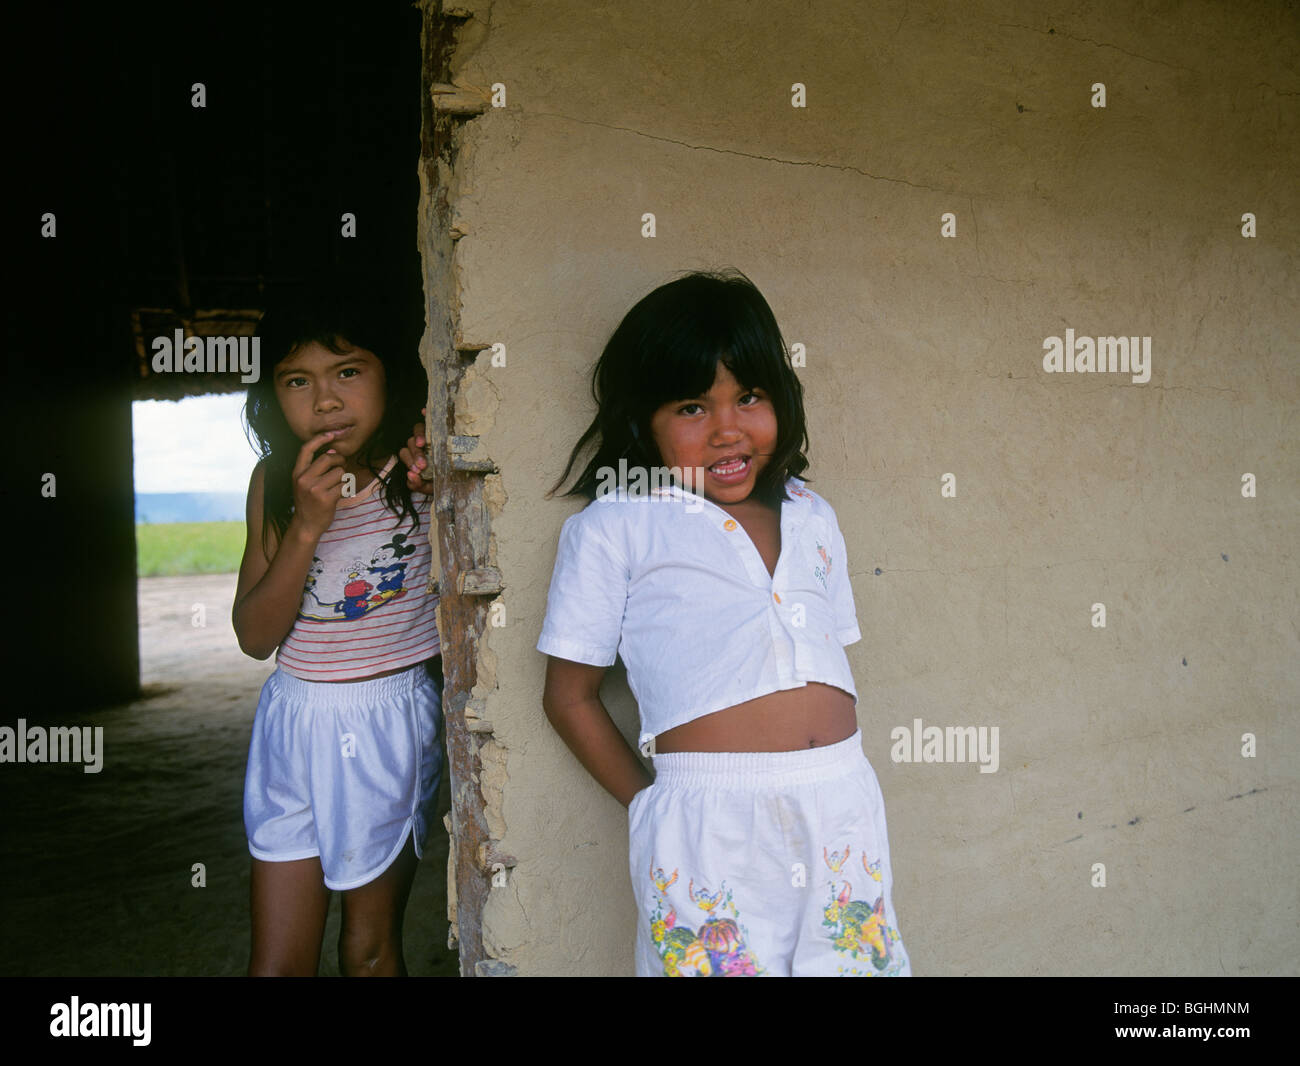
column 344, row 762
column 760, row 848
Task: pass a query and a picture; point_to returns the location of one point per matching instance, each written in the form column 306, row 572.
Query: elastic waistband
column 760, row 769
column 354, row 694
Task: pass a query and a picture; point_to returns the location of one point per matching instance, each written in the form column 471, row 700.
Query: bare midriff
column 790, row 720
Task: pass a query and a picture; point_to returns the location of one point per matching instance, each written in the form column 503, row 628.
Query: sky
column 191, row 445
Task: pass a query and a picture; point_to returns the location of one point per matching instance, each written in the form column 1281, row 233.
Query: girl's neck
column 364, row 475
column 750, row 505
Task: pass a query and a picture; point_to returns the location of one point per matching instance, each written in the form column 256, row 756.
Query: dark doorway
column 190, row 164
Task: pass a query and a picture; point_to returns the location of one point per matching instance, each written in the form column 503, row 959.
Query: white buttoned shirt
column 674, row 585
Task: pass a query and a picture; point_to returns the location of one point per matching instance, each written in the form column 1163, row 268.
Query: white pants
column 343, row 771
column 764, row 864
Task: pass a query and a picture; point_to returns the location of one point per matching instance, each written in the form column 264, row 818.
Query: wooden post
column 466, row 581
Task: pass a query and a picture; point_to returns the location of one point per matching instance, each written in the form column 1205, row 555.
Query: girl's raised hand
column 413, row 455
column 317, row 484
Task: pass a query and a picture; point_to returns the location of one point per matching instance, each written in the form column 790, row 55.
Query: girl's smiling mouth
column 732, row 470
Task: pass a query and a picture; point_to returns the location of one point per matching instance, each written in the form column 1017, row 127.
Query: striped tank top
column 366, row 606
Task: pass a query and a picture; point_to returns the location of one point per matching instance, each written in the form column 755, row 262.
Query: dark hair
column 333, row 314
column 667, row 348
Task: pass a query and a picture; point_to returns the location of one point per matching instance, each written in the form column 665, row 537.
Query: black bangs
column 329, row 316
column 694, row 322
column 667, row 349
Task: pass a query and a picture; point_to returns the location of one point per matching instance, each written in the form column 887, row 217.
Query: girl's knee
column 370, row 953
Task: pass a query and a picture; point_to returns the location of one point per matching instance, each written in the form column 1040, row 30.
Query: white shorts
column 343, row 771
column 764, row 864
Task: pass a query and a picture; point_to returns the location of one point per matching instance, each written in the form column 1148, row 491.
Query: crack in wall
column 1089, row 40
column 736, row 152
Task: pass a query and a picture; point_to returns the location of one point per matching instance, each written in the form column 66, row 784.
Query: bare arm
column 572, row 704
column 269, row 592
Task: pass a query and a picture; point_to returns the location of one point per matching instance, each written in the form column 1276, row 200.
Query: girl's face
column 319, row 390
column 730, row 431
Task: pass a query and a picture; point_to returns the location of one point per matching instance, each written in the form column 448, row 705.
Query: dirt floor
column 96, row 869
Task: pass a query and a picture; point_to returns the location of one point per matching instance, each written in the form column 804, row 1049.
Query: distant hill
column 159, row 508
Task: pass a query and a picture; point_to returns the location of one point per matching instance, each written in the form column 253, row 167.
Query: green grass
column 178, row 548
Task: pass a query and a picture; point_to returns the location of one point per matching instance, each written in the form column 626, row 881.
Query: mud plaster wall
column 1118, row 745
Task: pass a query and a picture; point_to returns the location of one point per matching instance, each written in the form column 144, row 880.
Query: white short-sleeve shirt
column 674, row 585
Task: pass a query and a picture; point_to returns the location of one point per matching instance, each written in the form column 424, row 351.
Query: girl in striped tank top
column 345, row 758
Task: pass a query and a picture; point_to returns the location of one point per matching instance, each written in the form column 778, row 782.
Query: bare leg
column 370, row 941
column 289, row 903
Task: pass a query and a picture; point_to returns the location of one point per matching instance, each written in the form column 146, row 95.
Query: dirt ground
column 96, row 869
